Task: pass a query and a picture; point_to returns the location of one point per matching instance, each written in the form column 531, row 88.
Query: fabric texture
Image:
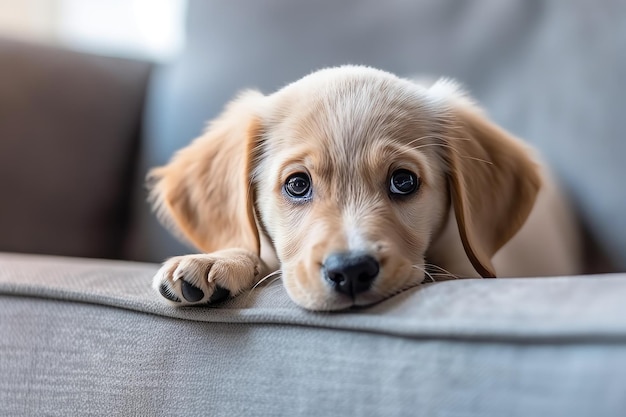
column 90, row 337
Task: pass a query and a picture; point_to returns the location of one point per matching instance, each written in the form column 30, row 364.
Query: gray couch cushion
column 551, row 72
column 89, row 337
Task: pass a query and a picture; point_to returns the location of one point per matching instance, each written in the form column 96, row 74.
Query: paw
column 206, row 278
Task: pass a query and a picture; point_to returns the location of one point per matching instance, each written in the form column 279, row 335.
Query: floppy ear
column 493, row 182
column 205, row 192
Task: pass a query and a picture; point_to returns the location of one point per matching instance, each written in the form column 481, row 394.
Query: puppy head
column 351, row 172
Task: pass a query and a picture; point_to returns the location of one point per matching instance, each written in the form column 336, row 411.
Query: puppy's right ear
column 204, row 193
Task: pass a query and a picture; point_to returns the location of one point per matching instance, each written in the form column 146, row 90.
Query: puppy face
column 351, row 173
column 349, row 178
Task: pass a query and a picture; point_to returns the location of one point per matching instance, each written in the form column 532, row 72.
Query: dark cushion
column 69, row 128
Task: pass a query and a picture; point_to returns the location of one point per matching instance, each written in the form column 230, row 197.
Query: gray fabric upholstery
column 550, row 71
column 84, row 337
column 69, row 131
column 89, row 337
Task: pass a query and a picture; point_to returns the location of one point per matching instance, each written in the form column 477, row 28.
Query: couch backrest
column 69, row 134
column 551, row 72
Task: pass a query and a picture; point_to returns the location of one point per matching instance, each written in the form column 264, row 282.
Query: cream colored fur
column 485, row 206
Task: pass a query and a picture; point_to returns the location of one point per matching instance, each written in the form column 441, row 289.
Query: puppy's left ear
column 205, row 193
column 493, row 181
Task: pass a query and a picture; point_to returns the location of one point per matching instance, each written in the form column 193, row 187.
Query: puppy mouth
column 335, row 301
column 371, row 297
column 348, row 279
column 342, row 302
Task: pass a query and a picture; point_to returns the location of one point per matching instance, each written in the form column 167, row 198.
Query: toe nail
column 167, row 293
column 191, row 293
column 219, row 294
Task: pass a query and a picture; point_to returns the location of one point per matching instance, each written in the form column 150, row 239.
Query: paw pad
column 219, row 294
column 191, row 293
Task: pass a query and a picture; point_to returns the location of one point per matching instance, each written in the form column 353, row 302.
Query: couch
column 82, row 333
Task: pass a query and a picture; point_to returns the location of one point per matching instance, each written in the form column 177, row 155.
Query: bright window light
column 149, row 29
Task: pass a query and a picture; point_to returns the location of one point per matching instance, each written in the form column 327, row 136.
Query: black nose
column 350, row 273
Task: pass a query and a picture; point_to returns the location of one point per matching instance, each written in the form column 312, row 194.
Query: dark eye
column 403, row 182
column 298, row 186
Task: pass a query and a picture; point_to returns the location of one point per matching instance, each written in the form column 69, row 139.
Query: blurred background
column 94, row 92
column 153, row 30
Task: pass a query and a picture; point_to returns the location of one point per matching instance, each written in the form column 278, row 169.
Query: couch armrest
column 90, row 337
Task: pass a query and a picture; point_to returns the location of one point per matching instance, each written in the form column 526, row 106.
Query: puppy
column 356, row 184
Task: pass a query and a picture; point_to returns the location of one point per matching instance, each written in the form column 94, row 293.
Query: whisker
column 419, row 268
column 276, row 276
column 386, row 294
column 273, row 288
column 265, row 278
column 445, row 271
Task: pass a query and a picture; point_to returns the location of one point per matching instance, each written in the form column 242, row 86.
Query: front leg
column 208, row 278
